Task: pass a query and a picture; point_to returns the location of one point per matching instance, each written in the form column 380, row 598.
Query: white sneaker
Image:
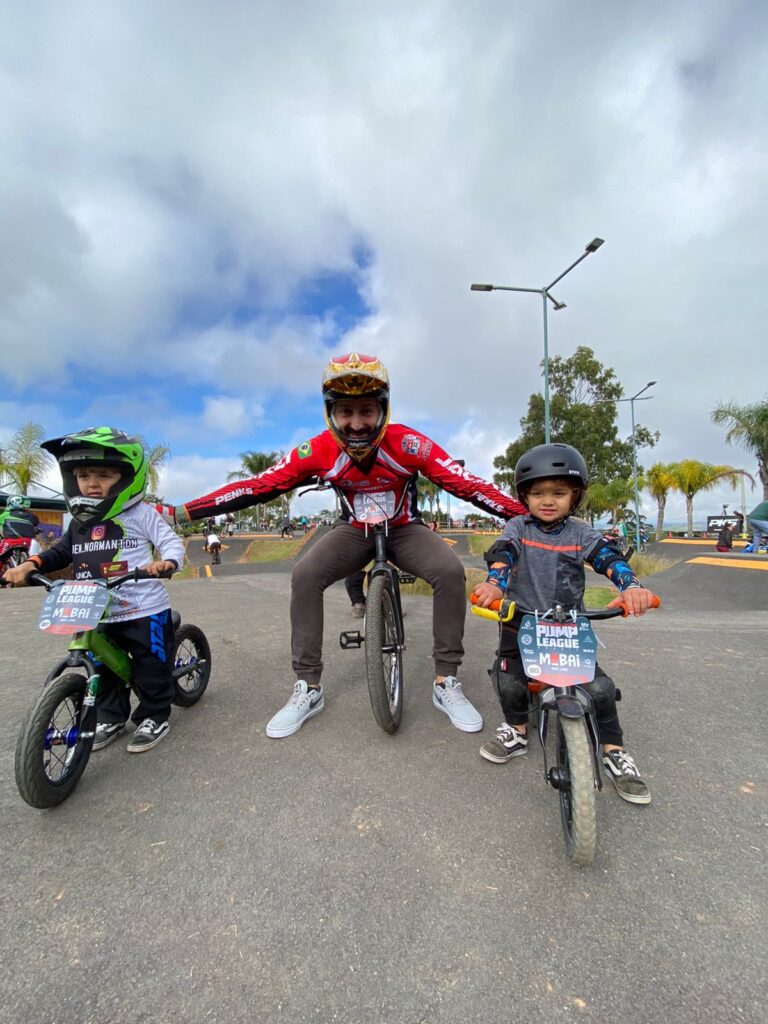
column 449, row 698
column 304, row 703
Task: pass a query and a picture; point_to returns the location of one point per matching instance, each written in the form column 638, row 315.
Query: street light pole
column 593, row 246
column 632, row 401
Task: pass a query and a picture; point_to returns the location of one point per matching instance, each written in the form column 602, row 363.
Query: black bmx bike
column 384, row 633
column 559, row 654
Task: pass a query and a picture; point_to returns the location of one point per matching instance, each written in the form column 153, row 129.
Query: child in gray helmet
column 539, row 562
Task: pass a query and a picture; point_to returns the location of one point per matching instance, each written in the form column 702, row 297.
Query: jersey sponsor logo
column 413, row 444
column 110, row 569
column 98, row 533
column 238, row 492
column 455, row 469
column 305, row 449
column 107, row 545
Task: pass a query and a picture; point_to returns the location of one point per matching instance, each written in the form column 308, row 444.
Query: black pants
column 354, row 585
column 511, row 685
column 149, row 641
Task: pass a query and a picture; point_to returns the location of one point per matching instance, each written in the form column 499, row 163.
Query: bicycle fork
column 570, row 702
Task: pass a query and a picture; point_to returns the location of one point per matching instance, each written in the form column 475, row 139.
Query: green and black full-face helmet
column 100, row 446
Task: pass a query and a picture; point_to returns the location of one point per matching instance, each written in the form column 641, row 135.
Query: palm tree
column 747, row 427
column 253, row 463
column 691, row 476
column 430, row 492
column 23, row 461
column 155, row 455
column 659, row 481
column 612, row 497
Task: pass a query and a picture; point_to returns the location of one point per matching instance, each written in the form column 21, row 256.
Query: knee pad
column 509, row 689
column 603, row 692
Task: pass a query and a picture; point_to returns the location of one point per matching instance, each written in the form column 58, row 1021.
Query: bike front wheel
column 573, row 757
column 383, row 655
column 52, row 750
column 191, row 665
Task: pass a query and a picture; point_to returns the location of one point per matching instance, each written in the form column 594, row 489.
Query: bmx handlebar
column 503, row 609
column 36, row 579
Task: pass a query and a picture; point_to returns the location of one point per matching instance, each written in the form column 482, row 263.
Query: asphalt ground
column 346, row 875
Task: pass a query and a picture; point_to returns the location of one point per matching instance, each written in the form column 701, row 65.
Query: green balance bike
column 57, row 735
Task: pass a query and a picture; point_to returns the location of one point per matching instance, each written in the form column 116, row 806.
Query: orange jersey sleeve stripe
column 551, row 547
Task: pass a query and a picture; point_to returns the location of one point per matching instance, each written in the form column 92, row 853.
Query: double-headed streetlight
column 632, row 401
column 544, row 292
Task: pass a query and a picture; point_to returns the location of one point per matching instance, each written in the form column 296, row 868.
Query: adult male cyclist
column 367, row 459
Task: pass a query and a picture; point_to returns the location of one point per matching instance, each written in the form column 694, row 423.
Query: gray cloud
column 177, row 158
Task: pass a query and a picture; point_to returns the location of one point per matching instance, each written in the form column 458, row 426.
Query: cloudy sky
column 200, row 202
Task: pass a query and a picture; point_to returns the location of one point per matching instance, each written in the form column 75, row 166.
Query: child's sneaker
column 106, row 732
column 449, row 698
column 305, row 702
column 148, row 735
column 623, row 773
column 506, row 744
column 358, row 611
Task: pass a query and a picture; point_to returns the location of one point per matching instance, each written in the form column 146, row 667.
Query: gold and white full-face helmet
column 356, row 375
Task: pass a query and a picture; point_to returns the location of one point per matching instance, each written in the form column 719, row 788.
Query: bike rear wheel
column 191, row 665
column 383, row 655
column 573, row 757
column 52, row 752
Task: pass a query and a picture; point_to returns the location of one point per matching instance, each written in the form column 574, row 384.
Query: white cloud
column 229, row 416
column 170, row 177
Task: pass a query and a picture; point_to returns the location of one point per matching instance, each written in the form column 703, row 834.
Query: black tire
column 191, row 665
column 573, row 756
column 383, row 655
column 44, row 776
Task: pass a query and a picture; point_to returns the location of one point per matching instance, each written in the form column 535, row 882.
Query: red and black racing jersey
column 389, row 478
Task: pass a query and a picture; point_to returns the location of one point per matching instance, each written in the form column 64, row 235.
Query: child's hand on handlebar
column 486, row 594
column 161, row 568
column 18, row 577
column 637, row 600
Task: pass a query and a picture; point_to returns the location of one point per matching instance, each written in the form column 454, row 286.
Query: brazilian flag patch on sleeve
column 305, row 449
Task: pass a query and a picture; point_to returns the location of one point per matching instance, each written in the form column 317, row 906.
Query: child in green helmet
column 104, row 475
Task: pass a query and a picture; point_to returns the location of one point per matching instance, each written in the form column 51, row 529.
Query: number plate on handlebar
column 374, row 507
column 558, row 653
column 73, row 606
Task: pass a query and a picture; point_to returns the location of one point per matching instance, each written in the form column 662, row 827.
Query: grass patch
column 273, row 550
column 647, row 565
column 599, row 597
column 189, row 572
column 480, row 542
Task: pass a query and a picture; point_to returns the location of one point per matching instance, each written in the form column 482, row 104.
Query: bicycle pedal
column 406, row 577
column 352, row 638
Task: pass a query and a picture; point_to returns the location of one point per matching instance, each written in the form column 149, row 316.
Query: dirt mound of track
column 721, row 583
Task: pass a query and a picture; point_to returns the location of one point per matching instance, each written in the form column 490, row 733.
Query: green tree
column 251, row 464
column 748, row 427
column 583, row 413
column 429, row 492
column 690, row 477
column 659, row 481
column 612, row 497
column 23, row 461
column 156, row 455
